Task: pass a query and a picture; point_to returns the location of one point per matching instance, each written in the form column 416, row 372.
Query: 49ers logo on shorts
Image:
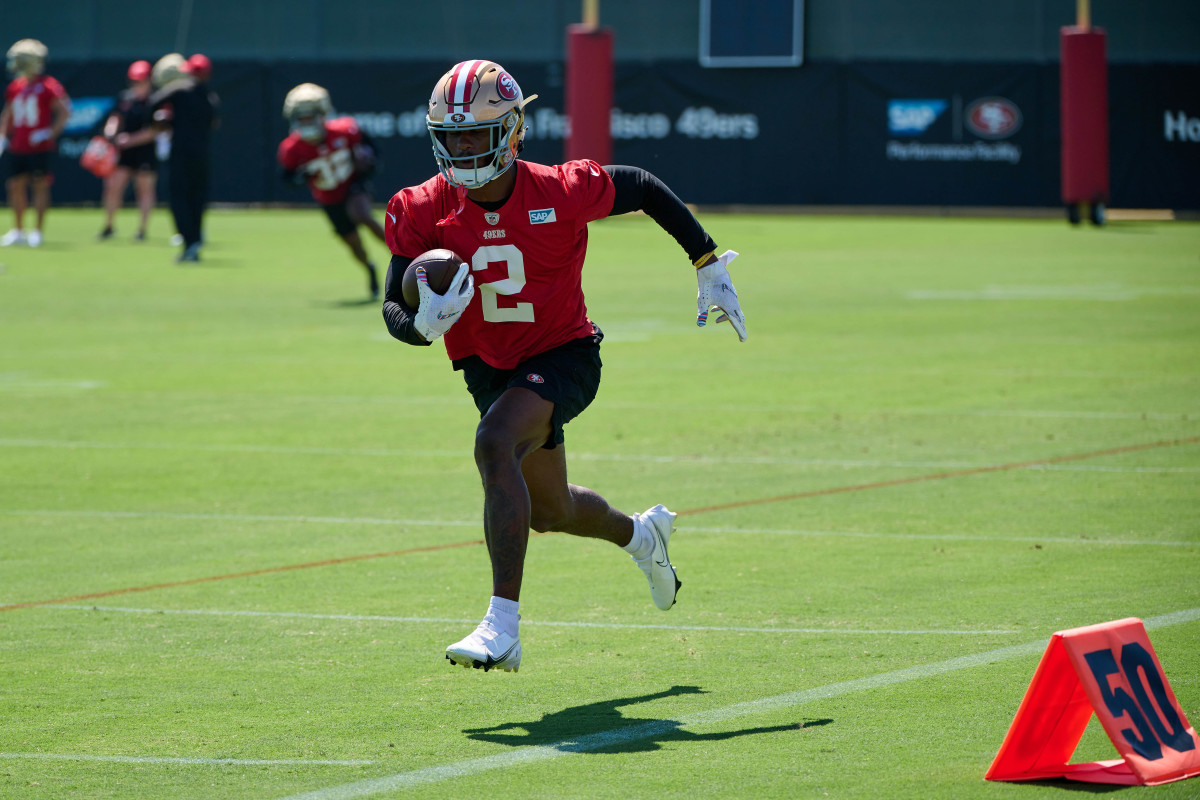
column 533, row 377
column 507, row 87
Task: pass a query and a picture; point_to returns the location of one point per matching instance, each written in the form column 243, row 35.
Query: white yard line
column 203, row 762
column 474, row 523
column 526, row 621
column 648, row 730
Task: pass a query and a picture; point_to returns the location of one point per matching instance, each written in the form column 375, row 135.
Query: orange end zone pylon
column 1112, row 670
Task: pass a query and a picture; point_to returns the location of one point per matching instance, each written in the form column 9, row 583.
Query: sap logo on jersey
column 913, row 117
column 541, row 216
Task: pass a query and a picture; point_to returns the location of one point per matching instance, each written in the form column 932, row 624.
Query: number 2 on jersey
column 489, row 293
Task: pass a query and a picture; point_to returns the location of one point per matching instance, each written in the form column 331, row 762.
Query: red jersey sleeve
column 409, row 222
column 345, row 126
column 286, row 155
column 55, row 89
column 589, row 189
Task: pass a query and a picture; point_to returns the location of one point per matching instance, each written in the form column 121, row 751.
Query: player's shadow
column 601, row 727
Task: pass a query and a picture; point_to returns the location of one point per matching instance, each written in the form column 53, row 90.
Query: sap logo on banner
column 1178, row 126
column 87, row 113
column 913, row 117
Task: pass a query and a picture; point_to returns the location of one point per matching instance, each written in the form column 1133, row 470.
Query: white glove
column 716, row 291
column 39, row 136
column 437, row 312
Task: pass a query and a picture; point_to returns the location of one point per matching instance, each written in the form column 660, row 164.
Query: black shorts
column 567, row 375
column 139, row 159
column 35, row 164
column 339, row 215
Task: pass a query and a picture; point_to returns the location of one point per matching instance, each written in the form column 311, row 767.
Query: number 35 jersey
column 328, row 165
column 526, row 256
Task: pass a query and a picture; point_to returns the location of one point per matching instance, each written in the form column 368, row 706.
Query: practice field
column 239, row 524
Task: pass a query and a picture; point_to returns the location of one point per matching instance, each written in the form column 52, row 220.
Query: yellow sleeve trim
column 699, row 262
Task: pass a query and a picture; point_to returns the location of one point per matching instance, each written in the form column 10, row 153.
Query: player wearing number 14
column 516, row 325
column 36, row 108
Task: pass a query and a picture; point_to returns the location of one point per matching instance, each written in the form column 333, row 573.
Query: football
column 440, row 268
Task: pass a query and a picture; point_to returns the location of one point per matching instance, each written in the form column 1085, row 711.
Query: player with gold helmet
column 36, row 109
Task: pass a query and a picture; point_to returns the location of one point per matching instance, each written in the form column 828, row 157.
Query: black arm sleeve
column 396, row 313
column 638, row 190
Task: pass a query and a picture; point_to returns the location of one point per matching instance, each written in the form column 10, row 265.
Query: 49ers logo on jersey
column 507, row 86
column 533, row 377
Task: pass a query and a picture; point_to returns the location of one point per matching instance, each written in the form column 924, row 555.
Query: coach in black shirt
column 188, row 109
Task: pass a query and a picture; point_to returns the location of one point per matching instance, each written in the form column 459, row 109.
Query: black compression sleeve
column 638, row 190
column 396, row 313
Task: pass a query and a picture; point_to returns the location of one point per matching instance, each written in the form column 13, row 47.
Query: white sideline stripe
column 938, row 537
column 241, row 517
column 527, row 621
column 614, row 457
column 633, row 733
column 204, row 762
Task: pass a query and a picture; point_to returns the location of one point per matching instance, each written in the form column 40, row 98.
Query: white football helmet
column 27, row 58
column 477, row 95
column 306, row 108
column 167, row 69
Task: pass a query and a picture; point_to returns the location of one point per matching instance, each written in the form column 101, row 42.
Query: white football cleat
column 35, row 238
column 488, row 647
column 664, row 584
column 15, row 236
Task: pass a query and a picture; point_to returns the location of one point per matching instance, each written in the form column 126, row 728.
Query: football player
column 131, row 114
column 335, row 158
column 515, row 324
column 36, row 108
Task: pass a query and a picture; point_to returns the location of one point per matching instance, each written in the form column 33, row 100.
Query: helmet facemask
column 476, row 98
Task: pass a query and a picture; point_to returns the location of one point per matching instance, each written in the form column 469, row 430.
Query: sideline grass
column 163, row 424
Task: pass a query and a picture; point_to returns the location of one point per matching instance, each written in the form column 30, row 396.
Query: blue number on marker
column 1119, row 704
column 1133, row 656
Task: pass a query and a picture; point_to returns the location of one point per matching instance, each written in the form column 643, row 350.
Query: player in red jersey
column 527, row 350
column 335, row 158
column 36, row 108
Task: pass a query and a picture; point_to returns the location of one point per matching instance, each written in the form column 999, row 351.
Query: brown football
column 440, row 268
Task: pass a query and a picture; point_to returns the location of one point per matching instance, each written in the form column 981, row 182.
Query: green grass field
column 239, row 524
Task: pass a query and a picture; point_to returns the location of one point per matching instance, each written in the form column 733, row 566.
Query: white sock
column 642, row 543
column 505, row 612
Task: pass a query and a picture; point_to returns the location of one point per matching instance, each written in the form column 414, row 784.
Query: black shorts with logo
column 35, row 164
column 567, row 375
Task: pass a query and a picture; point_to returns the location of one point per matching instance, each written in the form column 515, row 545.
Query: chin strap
column 462, row 203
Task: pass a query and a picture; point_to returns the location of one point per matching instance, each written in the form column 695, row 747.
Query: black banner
column 900, row 133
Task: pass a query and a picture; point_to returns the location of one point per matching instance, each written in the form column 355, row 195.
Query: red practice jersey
column 328, row 166
column 31, row 103
column 526, row 257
